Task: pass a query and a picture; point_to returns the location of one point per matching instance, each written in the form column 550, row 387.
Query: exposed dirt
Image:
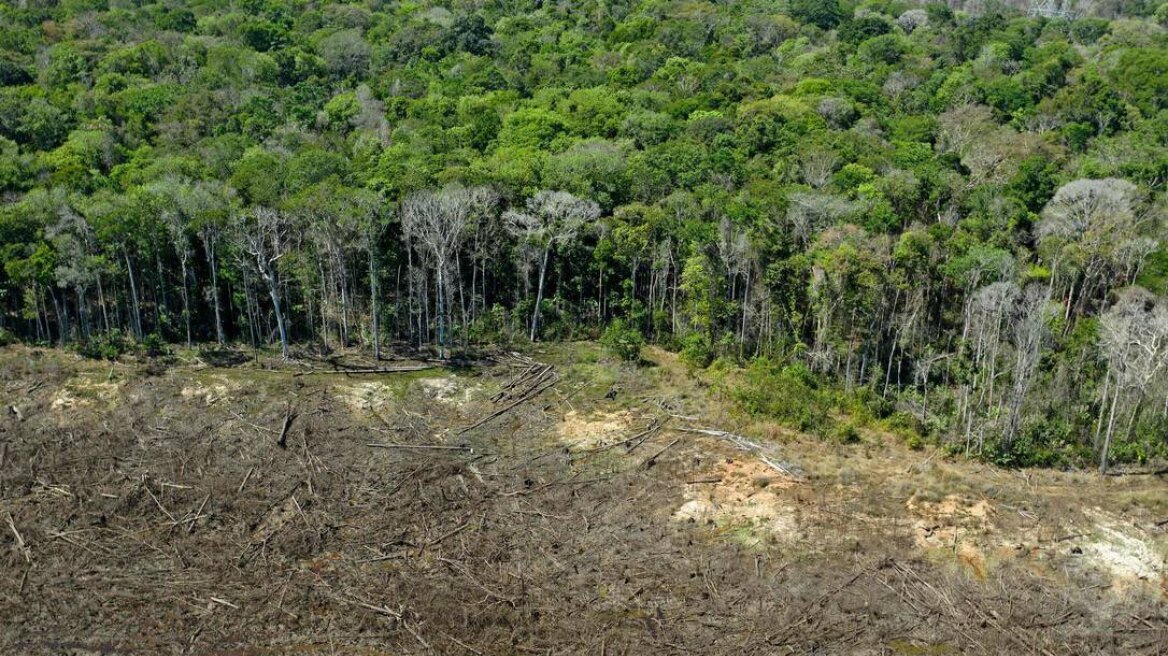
column 600, row 430
column 742, row 495
column 148, row 508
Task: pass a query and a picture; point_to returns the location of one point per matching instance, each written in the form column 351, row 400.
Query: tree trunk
column 410, row 290
column 273, row 284
column 160, row 292
column 62, row 317
column 539, row 292
column 137, row 323
column 101, row 300
column 209, row 247
column 441, row 300
column 376, row 318
column 1110, row 428
column 186, row 298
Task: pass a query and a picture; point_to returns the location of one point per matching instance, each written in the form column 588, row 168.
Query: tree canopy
column 934, row 211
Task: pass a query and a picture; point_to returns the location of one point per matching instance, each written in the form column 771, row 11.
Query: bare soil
column 185, row 508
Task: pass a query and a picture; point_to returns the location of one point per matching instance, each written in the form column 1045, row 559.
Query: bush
column 906, row 426
column 1041, row 443
column 847, row 433
column 107, row 346
column 696, row 351
column 7, row 337
column 153, row 346
column 824, row 14
column 623, row 341
column 491, row 326
column 788, row 394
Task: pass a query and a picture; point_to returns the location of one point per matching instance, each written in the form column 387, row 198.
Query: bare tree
column 371, row 217
column 989, row 312
column 1092, row 227
column 208, row 206
column 1133, row 337
column 74, row 241
column 263, row 234
column 912, row 19
column 810, row 214
column 990, row 151
column 817, row 166
column 552, row 218
column 438, row 221
column 176, row 229
column 1030, row 332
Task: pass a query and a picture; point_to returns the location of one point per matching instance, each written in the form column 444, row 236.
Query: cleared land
column 217, row 506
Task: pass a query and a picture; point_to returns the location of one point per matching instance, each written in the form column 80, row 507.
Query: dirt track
column 153, row 509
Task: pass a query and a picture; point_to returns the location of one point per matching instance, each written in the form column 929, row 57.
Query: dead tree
column 552, row 218
column 1134, row 341
column 1092, row 228
column 1030, row 332
column 263, row 234
column 438, row 221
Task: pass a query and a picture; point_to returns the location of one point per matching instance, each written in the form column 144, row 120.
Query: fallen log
column 289, row 417
column 528, row 381
column 382, row 370
column 652, row 460
column 443, row 447
column 527, row 397
column 745, row 444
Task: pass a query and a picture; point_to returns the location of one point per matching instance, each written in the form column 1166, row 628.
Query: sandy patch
column 745, row 493
column 594, row 430
column 1125, row 553
column 446, row 390
column 366, row 396
column 84, row 391
column 210, row 392
column 945, row 522
column 954, row 524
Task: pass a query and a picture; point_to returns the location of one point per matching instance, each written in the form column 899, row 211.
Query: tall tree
column 551, row 219
column 438, row 221
column 262, row 233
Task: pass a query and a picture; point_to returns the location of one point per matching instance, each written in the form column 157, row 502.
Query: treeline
column 954, row 219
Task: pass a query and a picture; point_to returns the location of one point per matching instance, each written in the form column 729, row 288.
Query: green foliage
column 1043, row 443
column 105, row 346
column 623, row 341
column 824, row 14
column 847, row 433
column 847, row 176
column 789, row 394
column 696, row 351
column 153, row 346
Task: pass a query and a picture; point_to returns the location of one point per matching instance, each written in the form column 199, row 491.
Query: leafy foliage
column 891, row 199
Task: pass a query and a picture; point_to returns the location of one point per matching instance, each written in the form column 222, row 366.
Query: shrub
column 153, row 346
column 847, row 433
column 1041, row 443
column 106, row 346
column 788, row 394
column 696, row 351
column 906, row 426
column 623, row 341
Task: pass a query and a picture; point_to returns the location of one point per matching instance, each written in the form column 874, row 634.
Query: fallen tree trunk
column 347, row 372
column 746, row 444
column 526, row 397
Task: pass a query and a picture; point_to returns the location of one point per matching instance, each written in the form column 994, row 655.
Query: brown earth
column 150, row 508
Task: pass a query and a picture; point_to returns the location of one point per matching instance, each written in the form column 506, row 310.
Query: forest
column 948, row 220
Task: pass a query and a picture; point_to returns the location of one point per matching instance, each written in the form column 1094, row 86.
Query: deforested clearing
column 246, row 510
